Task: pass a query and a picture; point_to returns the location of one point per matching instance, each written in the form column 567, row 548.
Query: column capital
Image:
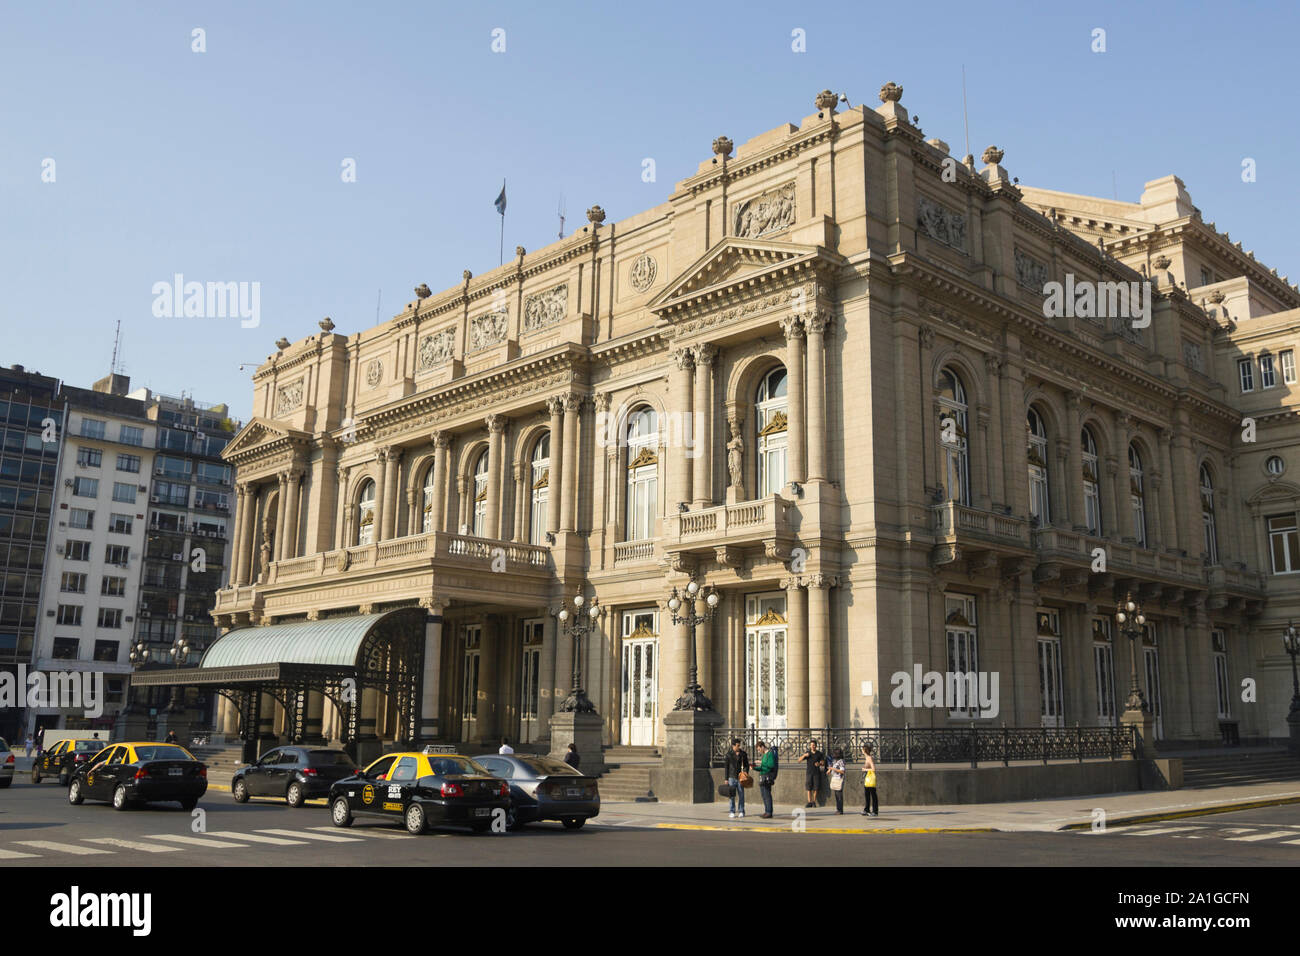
column 993, row 365
column 496, row 424
column 684, row 357
column 602, row 401
column 925, row 335
column 822, row 581
column 791, row 583
column 818, row 322
column 792, row 326
column 1122, row 420
column 572, row 402
column 441, row 439
column 555, row 405
column 1073, row 400
column 705, row 353
column 435, row 604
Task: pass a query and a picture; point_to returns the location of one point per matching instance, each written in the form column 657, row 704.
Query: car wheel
column 189, row 803
column 75, row 796
column 574, row 823
column 63, row 779
column 295, row 796
column 415, row 819
column 512, row 820
column 240, row 791
column 119, row 798
column 340, row 812
column 36, row 775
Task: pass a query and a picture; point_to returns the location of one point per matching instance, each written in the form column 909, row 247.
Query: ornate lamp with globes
column 575, row 720
column 689, row 727
column 1131, row 622
column 1291, row 643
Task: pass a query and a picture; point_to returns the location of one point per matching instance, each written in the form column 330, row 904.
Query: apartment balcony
column 1073, row 558
column 983, row 538
column 766, row 524
column 1234, row 586
column 633, row 553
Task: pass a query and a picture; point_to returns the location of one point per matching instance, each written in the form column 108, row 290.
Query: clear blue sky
column 225, row 165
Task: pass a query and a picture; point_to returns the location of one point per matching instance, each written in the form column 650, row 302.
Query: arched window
column 1207, row 517
column 771, row 411
column 426, row 502
column 1091, row 483
column 642, row 472
column 953, row 444
column 1137, row 496
column 366, row 513
column 539, row 483
column 1040, row 504
column 480, row 494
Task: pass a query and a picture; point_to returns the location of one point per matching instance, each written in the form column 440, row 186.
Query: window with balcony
column 642, row 473
column 540, row 489
column 211, row 473
column 429, row 490
column 211, row 500
column 1137, row 496
column 1207, row 517
column 1283, row 544
column 89, row 457
column 171, row 493
column 171, row 467
column 366, row 513
column 953, row 443
column 1091, row 483
column 771, row 418
column 1040, row 506
column 480, row 494
column 1246, row 375
column 129, row 463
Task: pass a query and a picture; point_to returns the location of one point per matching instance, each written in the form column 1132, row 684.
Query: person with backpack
column 870, row 802
column 766, row 776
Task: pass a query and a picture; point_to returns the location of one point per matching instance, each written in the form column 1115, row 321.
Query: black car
column 294, row 774
column 63, row 758
column 126, row 774
column 542, row 788
column 423, row 790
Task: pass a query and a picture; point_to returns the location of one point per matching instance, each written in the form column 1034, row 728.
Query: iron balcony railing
column 912, row 745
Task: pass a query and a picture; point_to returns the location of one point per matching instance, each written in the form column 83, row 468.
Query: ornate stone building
column 819, row 378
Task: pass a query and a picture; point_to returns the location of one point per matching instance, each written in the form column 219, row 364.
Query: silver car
column 544, row 789
column 6, row 764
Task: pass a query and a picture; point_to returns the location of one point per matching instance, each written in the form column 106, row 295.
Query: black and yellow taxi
column 142, row 772
column 63, row 758
column 422, row 791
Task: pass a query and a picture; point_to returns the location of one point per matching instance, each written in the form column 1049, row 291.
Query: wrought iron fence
column 912, row 745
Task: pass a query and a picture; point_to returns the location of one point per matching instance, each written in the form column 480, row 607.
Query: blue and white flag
column 501, row 200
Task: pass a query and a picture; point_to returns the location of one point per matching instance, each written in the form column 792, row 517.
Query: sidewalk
column 1037, row 815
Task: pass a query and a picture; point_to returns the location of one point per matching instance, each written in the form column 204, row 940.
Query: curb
column 1184, row 814
column 841, row 830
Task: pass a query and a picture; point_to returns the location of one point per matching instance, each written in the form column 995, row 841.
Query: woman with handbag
column 837, row 773
column 738, row 777
column 870, row 802
column 766, row 777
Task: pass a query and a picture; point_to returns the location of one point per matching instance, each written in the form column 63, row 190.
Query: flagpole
column 501, row 248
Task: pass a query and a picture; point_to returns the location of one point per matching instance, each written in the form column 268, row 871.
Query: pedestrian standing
column 170, row 738
column 40, row 739
column 737, row 774
column 766, row 776
column 814, row 767
column 29, row 746
column 837, row 780
column 505, row 746
column 870, row 802
column 572, row 758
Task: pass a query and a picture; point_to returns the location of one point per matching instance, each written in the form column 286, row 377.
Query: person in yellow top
column 871, row 803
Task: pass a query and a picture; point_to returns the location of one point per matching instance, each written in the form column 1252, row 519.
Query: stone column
column 496, row 425
column 568, row 519
column 546, row 672
column 1074, row 465
column 819, row 650
column 292, row 510
column 997, row 483
column 238, row 548
column 441, row 442
column 1170, row 538
column 817, row 324
column 704, row 654
column 344, row 538
column 431, row 677
column 281, row 512
column 381, row 493
column 796, row 467
column 796, row 682
column 1123, row 526
column 555, row 489
column 392, row 492
column 702, row 416
column 1062, row 483
column 681, row 389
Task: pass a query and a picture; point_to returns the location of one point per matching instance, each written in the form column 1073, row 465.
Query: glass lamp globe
column 1121, row 616
column 563, row 615
column 674, row 604
column 578, row 601
column 1141, row 619
column 692, row 589
column 594, row 611
column 712, row 600
column 1131, row 607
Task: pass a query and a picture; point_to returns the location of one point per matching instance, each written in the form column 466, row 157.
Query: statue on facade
column 736, row 458
column 266, row 554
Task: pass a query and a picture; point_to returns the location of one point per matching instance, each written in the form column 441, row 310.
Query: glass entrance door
column 640, row 684
column 469, row 687
column 529, row 681
column 1151, row 662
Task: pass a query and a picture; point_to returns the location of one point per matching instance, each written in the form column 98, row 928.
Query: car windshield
column 545, row 767
column 329, row 758
column 161, row 752
column 444, row 764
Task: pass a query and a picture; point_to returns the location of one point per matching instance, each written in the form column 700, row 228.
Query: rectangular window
column 66, row 648
column 171, row 493
column 85, row 487
column 110, row 617
column 122, row 491
column 129, row 463
column 1288, row 366
column 73, row 582
column 1223, row 692
column 89, row 457
column 130, row 435
column 211, row 473
column 963, row 651
column 69, row 615
column 1266, row 377
column 118, row 554
column 106, row 651
column 1103, row 666
column 211, row 500
column 78, row 551
column 82, row 518
column 1205, row 277
column 92, row 428
column 172, row 467
column 1247, row 375
column 119, row 524
column 1283, row 544
column 113, row 587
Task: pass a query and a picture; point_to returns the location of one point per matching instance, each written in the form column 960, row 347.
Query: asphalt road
column 39, row 828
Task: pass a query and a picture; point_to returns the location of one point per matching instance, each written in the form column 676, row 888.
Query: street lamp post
column 577, row 624
column 1291, row 641
column 1131, row 621
column 693, row 697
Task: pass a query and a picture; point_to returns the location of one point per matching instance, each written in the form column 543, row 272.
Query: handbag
column 870, row 779
column 724, row 790
column 837, row 781
column 745, row 779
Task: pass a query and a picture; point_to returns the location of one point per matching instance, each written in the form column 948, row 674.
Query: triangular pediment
column 730, row 264
column 261, row 432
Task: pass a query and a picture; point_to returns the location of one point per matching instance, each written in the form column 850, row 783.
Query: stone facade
column 819, row 378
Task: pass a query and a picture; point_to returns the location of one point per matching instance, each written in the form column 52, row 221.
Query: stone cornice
column 736, row 169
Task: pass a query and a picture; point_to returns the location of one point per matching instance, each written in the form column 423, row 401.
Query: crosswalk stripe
column 198, row 841
column 256, row 838
column 1270, row 835
column 132, row 845
column 15, row 855
column 1292, row 842
column 72, row 848
column 362, row 832
column 1164, row 831
column 314, row 836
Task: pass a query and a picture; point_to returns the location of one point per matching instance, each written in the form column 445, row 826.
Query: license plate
column 174, row 772
column 573, row 792
column 483, row 812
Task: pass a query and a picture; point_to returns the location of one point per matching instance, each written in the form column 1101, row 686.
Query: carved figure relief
column 643, row 272
column 940, row 223
column 436, row 348
column 545, row 308
column 374, row 372
column 487, row 330
column 768, row 212
column 288, row 398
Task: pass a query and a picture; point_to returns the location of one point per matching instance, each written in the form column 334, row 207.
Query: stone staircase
column 221, row 760
column 1256, row 765
column 627, row 778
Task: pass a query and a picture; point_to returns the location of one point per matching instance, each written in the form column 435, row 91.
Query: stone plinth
column 585, row 730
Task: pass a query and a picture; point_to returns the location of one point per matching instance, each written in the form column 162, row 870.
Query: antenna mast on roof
column 117, row 341
column 964, row 114
column 560, row 211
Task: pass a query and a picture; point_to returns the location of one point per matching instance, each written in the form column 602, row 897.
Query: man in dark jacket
column 571, row 756
column 737, row 763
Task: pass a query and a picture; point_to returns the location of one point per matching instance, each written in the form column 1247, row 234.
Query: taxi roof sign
column 440, row 749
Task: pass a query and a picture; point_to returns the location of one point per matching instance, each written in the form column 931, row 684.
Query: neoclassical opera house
column 818, row 379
